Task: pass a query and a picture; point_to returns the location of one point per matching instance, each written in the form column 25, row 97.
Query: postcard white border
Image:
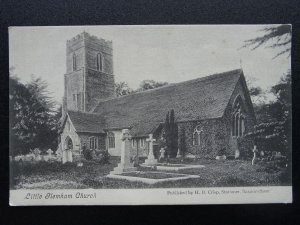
column 180, row 196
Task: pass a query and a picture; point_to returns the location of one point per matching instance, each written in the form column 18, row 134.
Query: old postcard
column 135, row 115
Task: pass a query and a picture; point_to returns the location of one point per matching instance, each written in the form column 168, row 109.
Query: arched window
column 74, row 62
column 99, row 62
column 133, row 141
column 197, row 134
column 111, row 140
column 93, row 143
column 238, row 120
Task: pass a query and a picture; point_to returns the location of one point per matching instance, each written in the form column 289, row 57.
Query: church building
column 213, row 111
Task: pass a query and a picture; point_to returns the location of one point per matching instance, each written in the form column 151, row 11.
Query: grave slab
column 172, row 167
column 139, row 176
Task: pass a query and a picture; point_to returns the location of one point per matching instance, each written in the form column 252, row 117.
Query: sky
column 162, row 53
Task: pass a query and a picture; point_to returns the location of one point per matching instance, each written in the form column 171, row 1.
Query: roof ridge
column 169, row 85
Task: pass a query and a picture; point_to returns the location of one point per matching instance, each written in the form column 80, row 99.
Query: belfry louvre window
column 74, row 62
column 93, row 143
column 111, row 140
column 99, row 62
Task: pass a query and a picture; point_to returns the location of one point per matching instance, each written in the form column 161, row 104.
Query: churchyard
column 55, row 175
column 52, row 171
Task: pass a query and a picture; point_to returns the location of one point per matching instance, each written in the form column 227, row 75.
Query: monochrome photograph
column 150, row 114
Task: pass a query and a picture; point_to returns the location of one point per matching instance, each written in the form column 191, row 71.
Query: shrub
column 245, row 146
column 87, row 153
column 221, row 152
column 104, row 157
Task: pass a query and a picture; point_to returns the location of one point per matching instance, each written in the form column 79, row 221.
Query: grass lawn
column 45, row 175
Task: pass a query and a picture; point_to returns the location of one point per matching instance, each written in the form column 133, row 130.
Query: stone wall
column 116, row 151
column 213, row 135
column 74, row 85
column 99, row 86
column 137, row 147
column 217, row 133
column 85, row 139
column 249, row 119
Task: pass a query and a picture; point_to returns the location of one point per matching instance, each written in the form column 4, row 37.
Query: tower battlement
column 92, row 38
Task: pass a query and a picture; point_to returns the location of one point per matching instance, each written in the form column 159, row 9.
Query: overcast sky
column 161, row 53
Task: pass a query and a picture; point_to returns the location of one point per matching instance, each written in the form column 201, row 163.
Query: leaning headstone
column 151, row 159
column 125, row 165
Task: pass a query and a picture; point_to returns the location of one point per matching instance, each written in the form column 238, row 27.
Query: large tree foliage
column 150, row 84
column 273, row 132
column 122, row 88
column 275, row 36
column 33, row 118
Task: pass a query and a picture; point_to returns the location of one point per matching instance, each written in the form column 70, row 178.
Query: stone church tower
column 89, row 77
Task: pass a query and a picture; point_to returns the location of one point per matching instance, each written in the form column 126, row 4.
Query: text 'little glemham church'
column 214, row 110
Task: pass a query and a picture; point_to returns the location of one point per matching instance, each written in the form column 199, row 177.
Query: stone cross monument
column 151, row 159
column 125, row 165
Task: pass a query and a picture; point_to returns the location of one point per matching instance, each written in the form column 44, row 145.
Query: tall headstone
column 125, row 165
column 178, row 154
column 151, row 159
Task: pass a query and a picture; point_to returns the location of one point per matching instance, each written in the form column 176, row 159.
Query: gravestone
column 237, row 154
column 125, row 165
column 49, row 152
column 58, row 154
column 151, row 159
column 37, row 154
column 178, row 154
column 162, row 153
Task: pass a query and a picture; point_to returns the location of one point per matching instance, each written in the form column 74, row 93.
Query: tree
column 33, row 118
column 150, row 84
column 274, row 133
column 258, row 96
column 182, row 142
column 171, row 135
column 282, row 34
column 167, row 135
column 122, row 89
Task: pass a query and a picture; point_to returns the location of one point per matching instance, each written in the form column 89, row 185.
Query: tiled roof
column 87, row 122
column 198, row 99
